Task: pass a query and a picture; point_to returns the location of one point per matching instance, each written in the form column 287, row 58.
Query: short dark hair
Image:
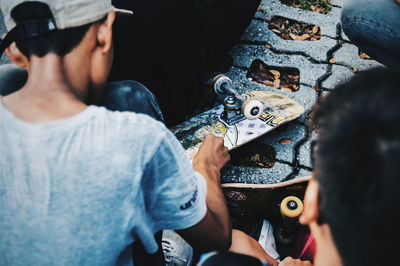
column 60, row 42
column 357, row 164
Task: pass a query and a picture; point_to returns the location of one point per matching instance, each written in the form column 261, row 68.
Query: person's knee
column 131, row 96
column 370, row 20
column 131, row 91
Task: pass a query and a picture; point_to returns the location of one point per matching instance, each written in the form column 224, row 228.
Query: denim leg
column 12, row 78
column 374, row 26
column 131, row 96
column 119, row 96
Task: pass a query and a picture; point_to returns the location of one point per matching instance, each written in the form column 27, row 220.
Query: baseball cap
column 66, row 14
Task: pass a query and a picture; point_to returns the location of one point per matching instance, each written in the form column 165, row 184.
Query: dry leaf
column 315, row 29
column 354, row 70
column 295, row 87
column 276, row 73
column 332, row 61
column 268, row 83
column 285, row 141
column 256, row 158
column 364, row 56
column 313, row 8
column 286, row 89
column 277, row 83
column 269, row 46
column 299, row 38
column 259, row 8
column 275, row 30
column 316, row 88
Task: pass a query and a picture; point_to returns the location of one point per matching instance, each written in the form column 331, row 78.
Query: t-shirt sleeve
column 174, row 193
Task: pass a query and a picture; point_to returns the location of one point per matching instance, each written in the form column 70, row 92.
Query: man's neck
column 49, row 94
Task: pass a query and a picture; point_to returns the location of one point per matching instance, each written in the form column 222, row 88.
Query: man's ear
column 104, row 35
column 311, row 209
column 16, row 56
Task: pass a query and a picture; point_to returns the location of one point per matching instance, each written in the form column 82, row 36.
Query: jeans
column 119, row 96
column 374, row 26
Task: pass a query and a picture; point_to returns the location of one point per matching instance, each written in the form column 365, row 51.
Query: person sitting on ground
column 351, row 203
column 374, row 26
column 81, row 184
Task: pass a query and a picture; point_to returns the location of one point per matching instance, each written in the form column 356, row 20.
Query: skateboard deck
column 279, row 109
column 281, row 204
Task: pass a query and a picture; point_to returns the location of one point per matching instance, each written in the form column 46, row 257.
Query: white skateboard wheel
column 218, row 81
column 291, row 207
column 252, row 109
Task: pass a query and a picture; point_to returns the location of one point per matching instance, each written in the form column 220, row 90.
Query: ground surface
column 322, row 64
column 322, row 55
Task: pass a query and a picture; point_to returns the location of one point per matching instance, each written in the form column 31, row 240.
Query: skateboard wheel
column 291, row 207
column 252, row 109
column 218, row 82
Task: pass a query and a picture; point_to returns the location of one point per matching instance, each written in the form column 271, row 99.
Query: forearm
column 216, row 205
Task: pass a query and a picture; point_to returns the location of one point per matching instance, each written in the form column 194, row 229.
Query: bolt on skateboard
column 239, row 119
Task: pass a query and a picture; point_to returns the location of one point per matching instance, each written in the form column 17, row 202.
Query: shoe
column 177, row 252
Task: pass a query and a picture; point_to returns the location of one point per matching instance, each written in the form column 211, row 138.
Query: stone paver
column 323, row 64
column 318, row 74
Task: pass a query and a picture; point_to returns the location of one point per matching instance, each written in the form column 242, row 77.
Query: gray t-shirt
column 82, row 190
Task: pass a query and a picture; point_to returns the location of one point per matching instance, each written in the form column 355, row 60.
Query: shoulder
column 131, row 123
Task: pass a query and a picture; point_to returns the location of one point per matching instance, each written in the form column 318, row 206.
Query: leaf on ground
column 277, row 83
column 354, row 70
column 276, row 73
column 299, row 38
column 332, row 61
column 268, row 83
column 316, row 88
column 364, row 56
column 269, row 46
column 256, row 158
column 286, row 89
column 285, row 141
column 315, row 29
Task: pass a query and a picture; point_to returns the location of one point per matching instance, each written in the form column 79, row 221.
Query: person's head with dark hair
column 60, row 42
column 66, row 46
column 351, row 205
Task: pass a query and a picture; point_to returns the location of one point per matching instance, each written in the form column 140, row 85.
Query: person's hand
column 212, row 155
column 289, row 261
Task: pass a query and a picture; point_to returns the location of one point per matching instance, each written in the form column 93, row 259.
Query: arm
column 213, row 232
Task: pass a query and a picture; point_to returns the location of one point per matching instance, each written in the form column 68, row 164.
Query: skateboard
column 239, row 119
column 281, row 204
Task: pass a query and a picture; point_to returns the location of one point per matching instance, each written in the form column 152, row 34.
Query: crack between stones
column 285, row 52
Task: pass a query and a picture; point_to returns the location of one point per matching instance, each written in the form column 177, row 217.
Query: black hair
column 60, row 42
column 357, row 164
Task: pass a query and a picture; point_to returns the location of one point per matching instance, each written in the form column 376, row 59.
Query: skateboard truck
column 291, row 208
column 236, row 107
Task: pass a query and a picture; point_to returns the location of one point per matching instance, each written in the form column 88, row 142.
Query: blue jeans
column 119, row 96
column 374, row 26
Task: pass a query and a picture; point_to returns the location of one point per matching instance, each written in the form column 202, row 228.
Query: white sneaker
column 177, row 251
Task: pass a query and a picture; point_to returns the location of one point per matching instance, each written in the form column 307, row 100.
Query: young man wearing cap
column 79, row 183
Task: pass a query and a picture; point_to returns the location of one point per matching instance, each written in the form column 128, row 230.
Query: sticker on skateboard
column 240, row 119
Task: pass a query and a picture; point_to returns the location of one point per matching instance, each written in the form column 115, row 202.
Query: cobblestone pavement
column 322, row 64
